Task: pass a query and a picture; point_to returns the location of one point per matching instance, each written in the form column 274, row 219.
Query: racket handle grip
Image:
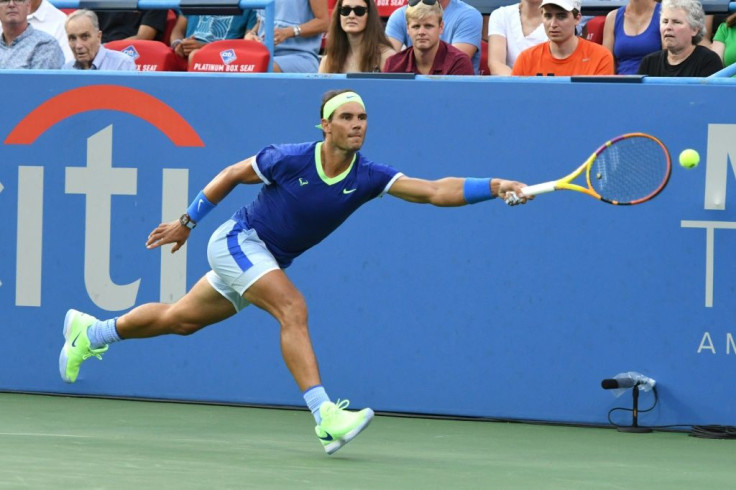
column 534, row 190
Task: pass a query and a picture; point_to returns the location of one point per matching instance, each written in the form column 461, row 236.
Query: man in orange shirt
column 564, row 54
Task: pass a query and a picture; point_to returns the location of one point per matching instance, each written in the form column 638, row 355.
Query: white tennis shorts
column 238, row 258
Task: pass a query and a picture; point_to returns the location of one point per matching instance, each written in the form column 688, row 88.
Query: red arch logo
column 104, row 97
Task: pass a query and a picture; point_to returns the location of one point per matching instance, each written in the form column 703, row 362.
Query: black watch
column 185, row 220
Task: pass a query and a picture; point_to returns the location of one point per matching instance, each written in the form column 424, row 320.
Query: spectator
column 428, row 54
column 632, row 32
column 712, row 21
column 21, row 45
column 85, row 40
column 132, row 24
column 511, row 30
column 297, row 37
column 191, row 32
column 682, row 26
column 463, row 27
column 564, row 54
column 724, row 41
column 47, row 18
column 356, row 41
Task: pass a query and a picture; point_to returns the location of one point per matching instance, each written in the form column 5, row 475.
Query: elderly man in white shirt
column 85, row 40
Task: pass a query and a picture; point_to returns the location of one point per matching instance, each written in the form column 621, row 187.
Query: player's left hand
column 173, row 232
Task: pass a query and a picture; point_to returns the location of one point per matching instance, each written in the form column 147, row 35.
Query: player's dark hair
column 327, row 96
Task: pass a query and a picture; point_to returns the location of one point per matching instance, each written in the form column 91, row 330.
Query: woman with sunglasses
column 356, row 41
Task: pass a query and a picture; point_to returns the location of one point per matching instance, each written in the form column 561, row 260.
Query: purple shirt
column 448, row 61
column 299, row 205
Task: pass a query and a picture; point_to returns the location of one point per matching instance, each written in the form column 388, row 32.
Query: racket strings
column 630, row 170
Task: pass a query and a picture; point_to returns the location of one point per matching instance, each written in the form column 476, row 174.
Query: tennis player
column 308, row 190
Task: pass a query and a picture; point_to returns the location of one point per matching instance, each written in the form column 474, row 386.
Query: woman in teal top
column 724, row 42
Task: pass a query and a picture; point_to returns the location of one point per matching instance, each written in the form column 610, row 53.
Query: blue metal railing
column 727, row 72
column 177, row 5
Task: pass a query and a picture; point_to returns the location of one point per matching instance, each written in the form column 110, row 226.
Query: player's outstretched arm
column 229, row 178
column 454, row 191
column 177, row 232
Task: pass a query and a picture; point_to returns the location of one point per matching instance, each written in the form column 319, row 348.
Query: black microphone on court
column 638, row 382
column 628, row 380
column 612, row 384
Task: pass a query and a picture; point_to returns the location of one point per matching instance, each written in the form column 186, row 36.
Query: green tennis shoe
column 76, row 346
column 340, row 426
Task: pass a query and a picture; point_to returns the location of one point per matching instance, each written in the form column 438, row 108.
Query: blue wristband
column 477, row 190
column 199, row 207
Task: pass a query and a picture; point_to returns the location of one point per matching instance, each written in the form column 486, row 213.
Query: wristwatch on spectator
column 175, row 43
column 297, row 31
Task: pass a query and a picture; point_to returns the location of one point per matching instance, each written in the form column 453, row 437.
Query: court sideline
column 65, row 442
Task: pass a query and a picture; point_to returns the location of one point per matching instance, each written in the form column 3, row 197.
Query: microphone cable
column 624, row 409
column 700, row 431
column 713, row 431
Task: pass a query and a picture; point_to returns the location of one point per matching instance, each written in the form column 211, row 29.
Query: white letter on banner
column 99, row 181
column 29, row 237
column 730, row 344
column 173, row 266
column 721, row 150
column 710, row 227
column 707, row 343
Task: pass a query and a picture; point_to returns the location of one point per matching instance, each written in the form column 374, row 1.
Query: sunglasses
column 413, row 3
column 359, row 11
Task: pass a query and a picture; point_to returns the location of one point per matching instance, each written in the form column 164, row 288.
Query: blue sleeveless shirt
column 629, row 50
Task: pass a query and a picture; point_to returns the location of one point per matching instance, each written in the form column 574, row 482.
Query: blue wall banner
column 483, row 310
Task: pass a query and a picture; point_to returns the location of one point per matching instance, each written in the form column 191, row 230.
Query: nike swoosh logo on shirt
column 345, row 191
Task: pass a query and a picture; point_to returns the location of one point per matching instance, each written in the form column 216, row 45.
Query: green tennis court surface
column 58, row 442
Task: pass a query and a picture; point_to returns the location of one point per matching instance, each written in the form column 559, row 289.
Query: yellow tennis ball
column 689, row 158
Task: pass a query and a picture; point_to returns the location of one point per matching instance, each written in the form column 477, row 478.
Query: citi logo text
column 98, row 181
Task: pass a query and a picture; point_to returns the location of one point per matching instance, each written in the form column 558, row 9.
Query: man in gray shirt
column 21, row 46
column 85, row 39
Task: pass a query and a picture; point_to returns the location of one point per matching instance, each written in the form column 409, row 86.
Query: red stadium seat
column 149, row 55
column 330, row 8
column 231, row 56
column 594, row 29
column 386, row 7
column 484, row 70
column 170, row 23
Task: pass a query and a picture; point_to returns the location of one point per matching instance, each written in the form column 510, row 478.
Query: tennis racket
column 629, row 169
